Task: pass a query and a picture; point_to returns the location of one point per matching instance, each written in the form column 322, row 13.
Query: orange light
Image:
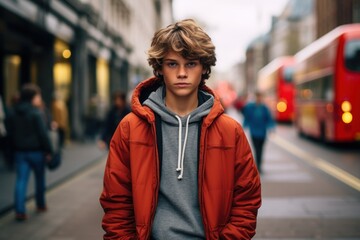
column 66, row 53
column 346, row 106
column 281, row 106
column 347, row 117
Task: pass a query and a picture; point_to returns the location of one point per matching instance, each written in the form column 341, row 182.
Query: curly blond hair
column 186, row 38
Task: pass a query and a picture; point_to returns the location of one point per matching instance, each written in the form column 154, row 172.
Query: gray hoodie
column 178, row 213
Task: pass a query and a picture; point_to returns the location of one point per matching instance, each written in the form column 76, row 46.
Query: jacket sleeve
column 247, row 193
column 116, row 198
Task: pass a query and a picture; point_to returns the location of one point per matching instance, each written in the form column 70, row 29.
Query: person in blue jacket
column 258, row 118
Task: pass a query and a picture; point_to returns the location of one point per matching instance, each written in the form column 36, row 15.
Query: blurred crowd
column 33, row 135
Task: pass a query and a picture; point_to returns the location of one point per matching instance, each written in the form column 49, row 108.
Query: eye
column 171, row 64
column 191, row 64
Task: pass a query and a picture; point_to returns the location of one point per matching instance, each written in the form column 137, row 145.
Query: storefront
column 55, row 46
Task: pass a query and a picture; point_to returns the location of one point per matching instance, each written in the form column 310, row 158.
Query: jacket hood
column 157, row 104
column 145, row 88
column 24, row 107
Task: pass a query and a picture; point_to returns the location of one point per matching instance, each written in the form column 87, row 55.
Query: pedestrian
column 60, row 116
column 258, row 118
column 178, row 167
column 31, row 143
column 117, row 112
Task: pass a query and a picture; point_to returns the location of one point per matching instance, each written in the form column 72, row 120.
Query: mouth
column 182, row 84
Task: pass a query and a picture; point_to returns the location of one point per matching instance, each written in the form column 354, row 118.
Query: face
column 258, row 98
column 37, row 100
column 119, row 103
column 181, row 76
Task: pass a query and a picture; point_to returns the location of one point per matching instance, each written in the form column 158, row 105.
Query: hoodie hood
column 24, row 108
column 143, row 91
column 156, row 102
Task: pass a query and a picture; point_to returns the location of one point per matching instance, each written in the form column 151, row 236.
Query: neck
column 181, row 106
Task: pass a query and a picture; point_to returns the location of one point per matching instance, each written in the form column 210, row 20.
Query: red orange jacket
column 228, row 180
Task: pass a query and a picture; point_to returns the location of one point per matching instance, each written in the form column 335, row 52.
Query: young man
column 178, row 167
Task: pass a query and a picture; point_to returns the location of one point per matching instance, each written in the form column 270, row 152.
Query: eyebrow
column 169, row 60
column 173, row 60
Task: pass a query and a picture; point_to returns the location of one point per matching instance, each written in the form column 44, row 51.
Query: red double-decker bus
column 275, row 80
column 327, row 79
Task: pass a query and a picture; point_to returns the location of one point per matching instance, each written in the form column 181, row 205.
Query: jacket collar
column 143, row 90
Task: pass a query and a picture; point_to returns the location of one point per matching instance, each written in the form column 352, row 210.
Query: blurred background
column 303, row 55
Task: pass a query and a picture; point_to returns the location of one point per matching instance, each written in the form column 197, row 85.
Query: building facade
column 293, row 29
column 332, row 13
column 79, row 49
column 256, row 58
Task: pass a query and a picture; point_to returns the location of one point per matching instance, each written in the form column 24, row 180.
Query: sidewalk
column 74, row 211
column 76, row 157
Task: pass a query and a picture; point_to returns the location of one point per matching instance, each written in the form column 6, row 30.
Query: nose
column 182, row 73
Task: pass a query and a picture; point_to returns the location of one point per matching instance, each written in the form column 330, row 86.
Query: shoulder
column 265, row 108
column 225, row 118
column 130, row 118
column 225, row 131
column 227, row 124
column 36, row 113
column 132, row 122
column 248, row 106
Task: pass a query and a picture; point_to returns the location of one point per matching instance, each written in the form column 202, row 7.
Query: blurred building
column 332, row 13
column 256, row 58
column 300, row 23
column 77, row 48
column 293, row 29
column 236, row 77
column 290, row 32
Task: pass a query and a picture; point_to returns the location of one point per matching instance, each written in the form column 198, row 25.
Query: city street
column 73, row 69
column 308, row 193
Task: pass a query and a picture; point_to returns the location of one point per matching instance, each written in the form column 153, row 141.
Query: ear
column 204, row 71
column 158, row 73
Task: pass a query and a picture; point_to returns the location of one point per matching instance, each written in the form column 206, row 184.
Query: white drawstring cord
column 181, row 152
column 179, row 147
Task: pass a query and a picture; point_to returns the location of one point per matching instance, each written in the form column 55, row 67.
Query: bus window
column 352, row 55
column 328, row 88
column 288, row 74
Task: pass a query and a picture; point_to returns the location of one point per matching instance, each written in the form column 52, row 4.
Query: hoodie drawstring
column 181, row 150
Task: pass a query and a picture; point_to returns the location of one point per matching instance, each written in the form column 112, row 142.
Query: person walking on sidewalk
column 32, row 147
column 117, row 112
column 178, row 167
column 60, row 115
column 258, row 118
